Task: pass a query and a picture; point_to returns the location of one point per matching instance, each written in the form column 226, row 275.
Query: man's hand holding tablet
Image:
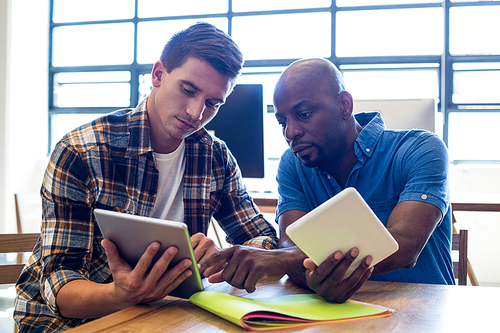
column 140, row 284
column 341, row 235
column 151, row 257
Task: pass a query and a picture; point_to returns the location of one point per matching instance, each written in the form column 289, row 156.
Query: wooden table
column 418, row 308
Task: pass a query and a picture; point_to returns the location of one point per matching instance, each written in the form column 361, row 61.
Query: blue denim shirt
column 393, row 166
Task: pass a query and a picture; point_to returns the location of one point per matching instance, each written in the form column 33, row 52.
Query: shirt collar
column 202, row 136
column 139, row 131
column 373, row 127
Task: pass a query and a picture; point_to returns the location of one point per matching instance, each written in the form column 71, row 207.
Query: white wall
column 23, row 74
column 4, row 46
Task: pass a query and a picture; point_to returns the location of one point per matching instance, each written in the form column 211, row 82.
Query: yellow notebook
column 284, row 311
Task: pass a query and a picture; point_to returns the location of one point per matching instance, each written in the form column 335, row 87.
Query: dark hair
column 205, row 42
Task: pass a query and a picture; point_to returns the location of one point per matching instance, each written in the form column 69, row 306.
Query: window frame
column 445, row 61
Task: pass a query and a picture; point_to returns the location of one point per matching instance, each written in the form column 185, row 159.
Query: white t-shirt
column 169, row 204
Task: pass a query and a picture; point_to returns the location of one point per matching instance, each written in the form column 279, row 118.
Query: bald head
column 315, row 113
column 311, row 71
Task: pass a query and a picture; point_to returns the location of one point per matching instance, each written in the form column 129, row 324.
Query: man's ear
column 346, row 103
column 157, row 73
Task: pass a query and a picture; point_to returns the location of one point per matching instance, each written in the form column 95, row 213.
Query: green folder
column 283, row 311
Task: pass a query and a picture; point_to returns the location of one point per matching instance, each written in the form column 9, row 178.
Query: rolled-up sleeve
column 67, row 224
column 426, row 172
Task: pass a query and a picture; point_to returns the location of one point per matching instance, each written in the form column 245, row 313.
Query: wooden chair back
column 15, row 243
column 459, row 243
column 28, row 212
column 466, row 207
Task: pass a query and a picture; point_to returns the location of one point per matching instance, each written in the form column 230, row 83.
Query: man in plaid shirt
column 156, row 160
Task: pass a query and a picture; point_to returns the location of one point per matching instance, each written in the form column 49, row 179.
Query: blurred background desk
column 268, row 205
column 418, row 308
column 475, row 207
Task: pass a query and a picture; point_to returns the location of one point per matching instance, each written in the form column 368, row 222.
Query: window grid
column 444, row 62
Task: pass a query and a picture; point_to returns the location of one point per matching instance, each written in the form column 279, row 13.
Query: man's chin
column 180, row 135
column 308, row 162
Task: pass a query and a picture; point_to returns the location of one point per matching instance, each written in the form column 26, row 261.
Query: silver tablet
column 341, row 223
column 132, row 234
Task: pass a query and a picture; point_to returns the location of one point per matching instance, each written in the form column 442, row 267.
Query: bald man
column 402, row 175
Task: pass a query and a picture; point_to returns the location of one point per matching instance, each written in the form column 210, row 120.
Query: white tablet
column 132, row 234
column 341, row 223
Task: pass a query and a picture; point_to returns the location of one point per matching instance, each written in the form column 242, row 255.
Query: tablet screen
column 132, row 234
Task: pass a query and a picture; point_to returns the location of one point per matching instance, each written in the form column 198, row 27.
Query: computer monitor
column 402, row 113
column 240, row 123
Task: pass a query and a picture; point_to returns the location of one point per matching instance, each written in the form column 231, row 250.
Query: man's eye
column 188, row 91
column 304, row 115
column 213, row 105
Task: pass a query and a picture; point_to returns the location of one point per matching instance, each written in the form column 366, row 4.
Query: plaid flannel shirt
column 109, row 164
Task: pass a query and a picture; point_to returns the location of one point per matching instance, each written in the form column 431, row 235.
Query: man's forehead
column 201, row 74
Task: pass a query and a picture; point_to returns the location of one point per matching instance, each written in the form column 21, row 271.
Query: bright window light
column 285, row 36
column 93, row 44
column 395, row 32
column 152, row 36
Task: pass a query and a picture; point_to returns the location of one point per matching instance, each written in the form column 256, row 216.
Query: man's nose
column 292, row 130
column 196, row 109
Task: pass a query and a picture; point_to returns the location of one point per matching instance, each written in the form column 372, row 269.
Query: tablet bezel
column 341, row 223
column 132, row 234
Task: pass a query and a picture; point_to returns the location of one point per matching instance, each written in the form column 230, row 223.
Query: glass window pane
column 159, row 8
column 390, row 32
column 474, row 0
column 61, row 124
column 92, row 95
column 285, row 36
column 92, row 10
column 259, row 5
column 474, row 30
column 76, row 77
column 396, row 84
column 152, row 36
column 92, row 89
column 94, row 44
column 481, row 131
column 346, row 3
column 145, row 85
column 476, row 86
column 467, row 66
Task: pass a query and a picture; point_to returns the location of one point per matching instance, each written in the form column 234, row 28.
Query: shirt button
column 367, row 150
column 423, row 196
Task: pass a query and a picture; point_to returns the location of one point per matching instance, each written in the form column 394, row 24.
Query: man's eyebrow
column 294, row 108
column 300, row 104
column 191, row 84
